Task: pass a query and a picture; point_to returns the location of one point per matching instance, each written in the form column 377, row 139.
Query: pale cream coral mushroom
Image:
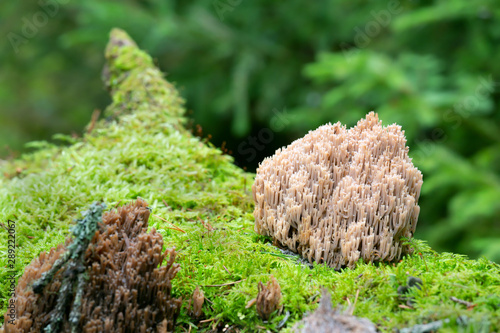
column 338, row 195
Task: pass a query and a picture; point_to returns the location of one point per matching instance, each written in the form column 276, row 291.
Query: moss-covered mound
column 201, row 204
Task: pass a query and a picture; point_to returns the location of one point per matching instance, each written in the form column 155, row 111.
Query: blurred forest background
column 258, row 74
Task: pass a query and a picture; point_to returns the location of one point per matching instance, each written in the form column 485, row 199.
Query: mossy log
column 201, row 204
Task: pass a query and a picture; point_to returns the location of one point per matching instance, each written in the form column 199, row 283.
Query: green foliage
column 191, row 184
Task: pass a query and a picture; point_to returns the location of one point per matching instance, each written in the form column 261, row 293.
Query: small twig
column 211, row 303
column 224, row 284
column 175, row 227
column 402, row 306
column 355, row 301
column 206, row 225
column 469, row 305
column 166, row 204
column 117, row 204
column 226, row 269
column 214, row 324
column 251, row 303
column 422, row 256
column 93, row 120
column 206, row 320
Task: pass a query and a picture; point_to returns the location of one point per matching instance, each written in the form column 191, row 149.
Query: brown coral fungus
column 268, row 298
column 196, row 303
column 29, row 306
column 337, row 195
column 125, row 287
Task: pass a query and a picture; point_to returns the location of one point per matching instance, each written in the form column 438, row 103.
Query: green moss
column 142, row 150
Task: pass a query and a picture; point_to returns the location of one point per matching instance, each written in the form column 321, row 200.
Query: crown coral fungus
column 123, row 287
column 337, row 195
